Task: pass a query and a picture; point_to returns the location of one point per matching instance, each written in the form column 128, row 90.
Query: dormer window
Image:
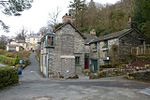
column 49, row 40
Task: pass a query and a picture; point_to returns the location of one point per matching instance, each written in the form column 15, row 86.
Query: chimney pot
column 67, row 18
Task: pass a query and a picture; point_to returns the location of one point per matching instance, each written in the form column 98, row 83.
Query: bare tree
column 3, row 41
column 4, row 26
column 43, row 30
column 13, row 8
column 54, row 17
column 21, row 35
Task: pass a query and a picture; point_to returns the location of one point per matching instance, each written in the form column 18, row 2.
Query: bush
column 12, row 58
column 143, row 57
column 73, row 77
column 23, row 54
column 142, row 76
column 2, row 52
column 10, row 54
column 109, row 66
column 94, row 76
column 8, row 60
column 86, row 72
column 8, row 76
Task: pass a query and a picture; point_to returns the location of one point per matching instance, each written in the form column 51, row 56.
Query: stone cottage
column 65, row 55
column 16, row 45
column 120, row 45
column 32, row 41
column 91, row 52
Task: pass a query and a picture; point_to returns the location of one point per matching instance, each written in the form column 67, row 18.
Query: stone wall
column 69, row 44
column 105, row 51
column 94, row 53
column 67, row 66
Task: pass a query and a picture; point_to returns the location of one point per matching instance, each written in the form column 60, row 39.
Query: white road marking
column 31, row 71
column 146, row 91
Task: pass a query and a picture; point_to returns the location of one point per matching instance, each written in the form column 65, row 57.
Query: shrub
column 12, row 58
column 143, row 57
column 27, row 62
column 109, row 66
column 94, row 76
column 61, row 76
column 73, row 77
column 8, row 76
column 10, row 54
column 86, row 71
column 23, row 54
column 8, row 60
column 147, row 66
column 2, row 52
column 142, row 76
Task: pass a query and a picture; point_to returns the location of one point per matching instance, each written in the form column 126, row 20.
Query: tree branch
column 4, row 26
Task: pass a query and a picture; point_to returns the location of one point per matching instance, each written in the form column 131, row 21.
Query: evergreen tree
column 92, row 14
column 77, row 11
column 13, row 7
column 142, row 15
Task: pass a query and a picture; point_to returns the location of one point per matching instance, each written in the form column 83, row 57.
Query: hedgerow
column 8, row 76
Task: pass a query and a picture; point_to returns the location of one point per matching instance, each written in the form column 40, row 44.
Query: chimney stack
column 67, row 18
column 131, row 23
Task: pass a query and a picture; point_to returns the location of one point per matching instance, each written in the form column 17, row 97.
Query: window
column 52, row 43
column 49, row 42
column 77, row 60
column 105, row 44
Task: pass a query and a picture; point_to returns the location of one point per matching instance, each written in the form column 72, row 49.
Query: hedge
column 9, row 60
column 8, row 76
column 141, row 76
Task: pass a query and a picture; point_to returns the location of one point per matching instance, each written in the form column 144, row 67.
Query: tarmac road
column 34, row 87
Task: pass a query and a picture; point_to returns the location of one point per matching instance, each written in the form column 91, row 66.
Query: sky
column 38, row 16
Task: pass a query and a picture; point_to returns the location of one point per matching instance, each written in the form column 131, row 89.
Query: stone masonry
column 69, row 44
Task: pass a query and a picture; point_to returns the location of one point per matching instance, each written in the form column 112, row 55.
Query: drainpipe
column 46, row 64
column 98, row 52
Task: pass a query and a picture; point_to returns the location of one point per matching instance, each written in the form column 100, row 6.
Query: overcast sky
column 37, row 17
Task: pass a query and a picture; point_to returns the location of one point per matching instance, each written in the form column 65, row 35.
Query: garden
column 12, row 58
column 9, row 74
column 137, row 69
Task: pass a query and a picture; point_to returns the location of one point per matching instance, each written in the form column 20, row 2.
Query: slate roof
column 72, row 26
column 122, row 33
column 90, row 38
column 119, row 34
column 116, row 34
column 42, row 39
column 13, row 46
